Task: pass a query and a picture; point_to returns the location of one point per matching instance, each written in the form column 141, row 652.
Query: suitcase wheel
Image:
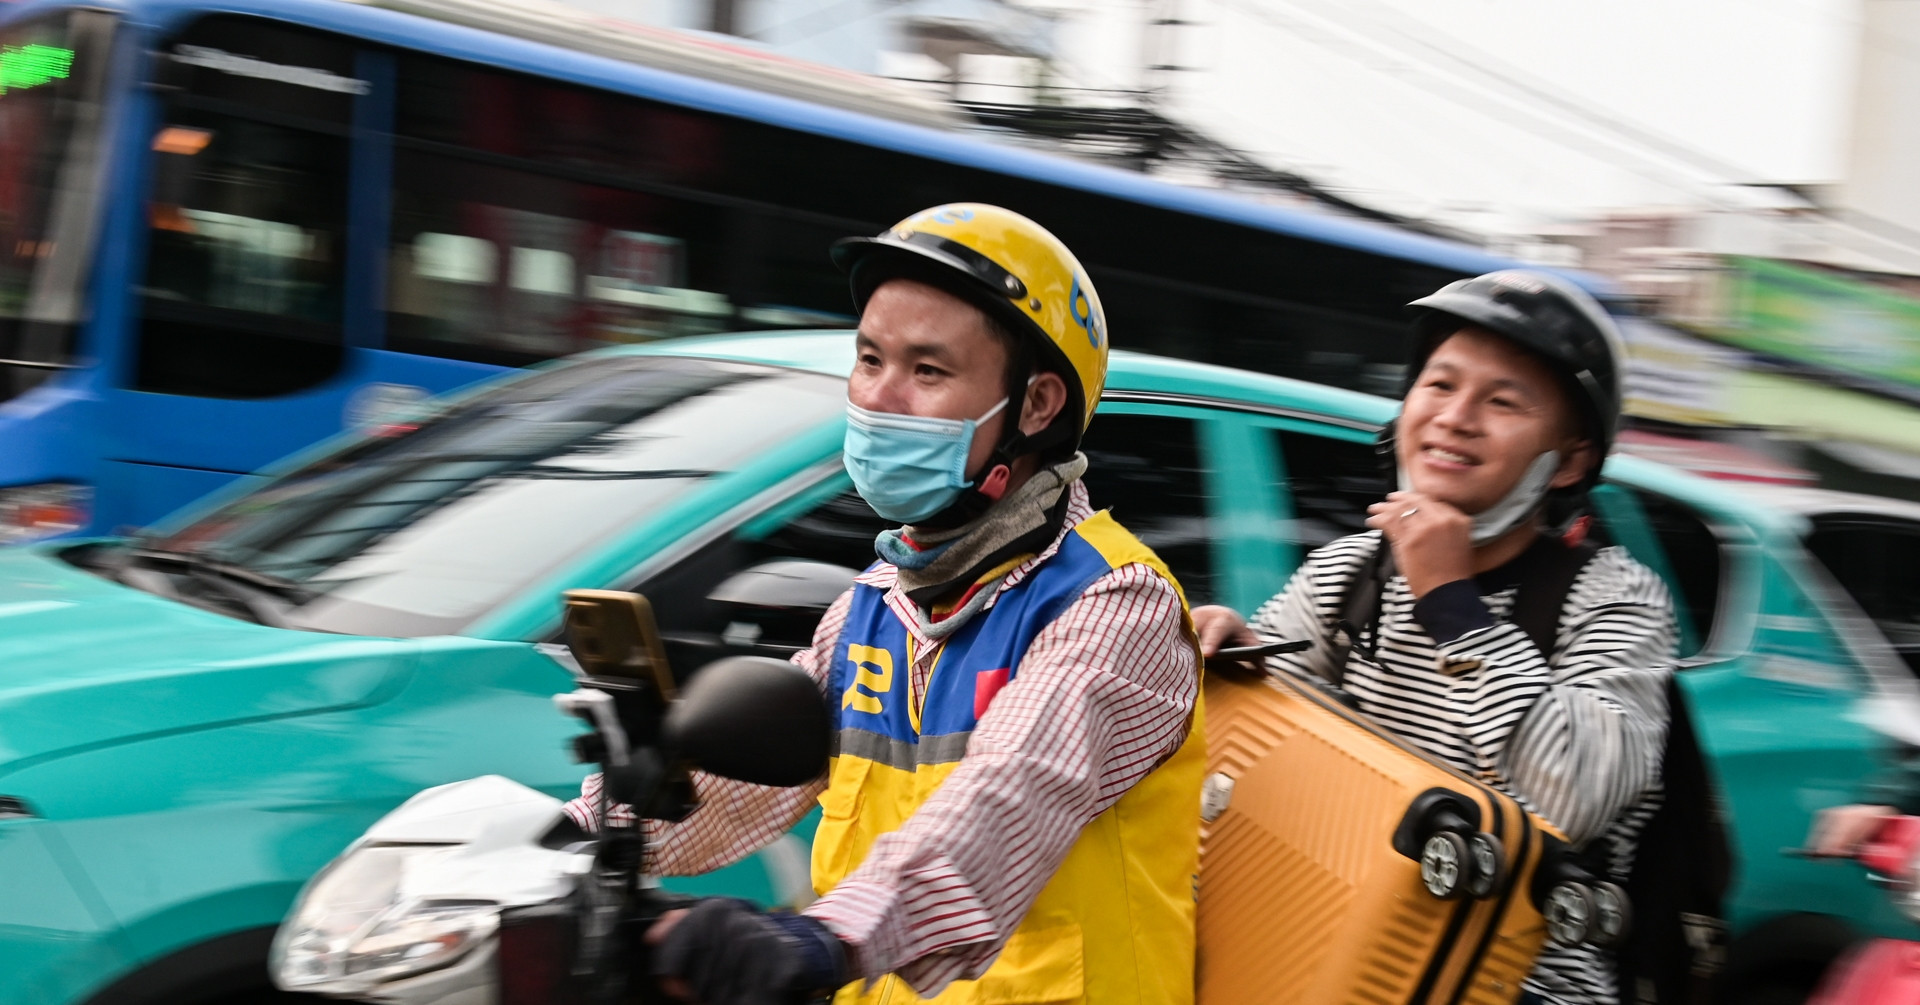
column 1612, row 915
column 1446, row 865
column 1569, row 913
column 1489, row 858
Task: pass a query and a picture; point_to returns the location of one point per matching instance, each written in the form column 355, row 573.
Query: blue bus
column 229, row 231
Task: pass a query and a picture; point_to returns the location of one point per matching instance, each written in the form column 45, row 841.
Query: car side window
column 1674, row 542
column 1332, row 482
column 698, row 600
column 1148, row 469
column 1878, row 563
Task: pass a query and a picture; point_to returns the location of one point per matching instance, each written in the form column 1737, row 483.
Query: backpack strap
column 1544, row 586
column 1359, row 620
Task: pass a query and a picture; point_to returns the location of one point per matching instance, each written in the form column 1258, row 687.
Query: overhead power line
column 1437, row 46
column 1470, row 76
column 1489, row 100
column 831, row 17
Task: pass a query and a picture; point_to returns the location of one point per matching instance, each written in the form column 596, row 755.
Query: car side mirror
column 752, row 719
column 785, row 584
column 775, row 606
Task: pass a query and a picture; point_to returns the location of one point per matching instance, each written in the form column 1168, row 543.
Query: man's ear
column 1046, row 396
column 1575, row 461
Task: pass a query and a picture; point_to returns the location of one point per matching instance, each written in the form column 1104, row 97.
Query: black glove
column 732, row 953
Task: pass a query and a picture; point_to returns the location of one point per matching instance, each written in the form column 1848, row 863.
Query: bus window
column 533, row 219
column 782, row 276
column 49, row 113
column 498, row 265
column 246, row 215
column 549, row 125
column 1255, row 332
column 635, row 194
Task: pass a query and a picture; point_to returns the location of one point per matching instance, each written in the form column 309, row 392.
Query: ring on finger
column 1410, row 512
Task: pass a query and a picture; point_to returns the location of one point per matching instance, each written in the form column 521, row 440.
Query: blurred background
column 1741, row 169
column 271, row 272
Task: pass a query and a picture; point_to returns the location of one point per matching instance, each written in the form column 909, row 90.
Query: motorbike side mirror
column 752, row 719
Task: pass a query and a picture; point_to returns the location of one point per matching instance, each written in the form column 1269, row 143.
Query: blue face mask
column 908, row 467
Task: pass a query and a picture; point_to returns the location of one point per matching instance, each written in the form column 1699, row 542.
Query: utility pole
column 1159, row 49
column 725, row 17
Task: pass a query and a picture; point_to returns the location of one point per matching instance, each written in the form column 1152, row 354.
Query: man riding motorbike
column 1511, row 409
column 1010, row 811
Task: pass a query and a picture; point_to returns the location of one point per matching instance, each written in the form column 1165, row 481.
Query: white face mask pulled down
column 1520, row 503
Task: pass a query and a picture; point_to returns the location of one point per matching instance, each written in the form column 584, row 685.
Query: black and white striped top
column 1576, row 735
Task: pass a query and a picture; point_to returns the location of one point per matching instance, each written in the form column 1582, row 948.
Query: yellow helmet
column 1007, row 265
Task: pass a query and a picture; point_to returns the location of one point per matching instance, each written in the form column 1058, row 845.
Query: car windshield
column 421, row 528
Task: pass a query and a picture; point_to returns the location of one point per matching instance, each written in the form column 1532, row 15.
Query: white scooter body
column 473, row 843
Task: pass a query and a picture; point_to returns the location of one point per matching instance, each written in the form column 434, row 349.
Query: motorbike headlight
column 355, row 926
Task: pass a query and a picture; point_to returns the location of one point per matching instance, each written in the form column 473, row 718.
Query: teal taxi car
column 195, row 719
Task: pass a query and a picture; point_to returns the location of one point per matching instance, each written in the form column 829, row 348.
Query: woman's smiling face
column 1479, row 413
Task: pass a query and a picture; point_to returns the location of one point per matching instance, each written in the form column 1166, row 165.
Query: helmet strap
column 996, row 474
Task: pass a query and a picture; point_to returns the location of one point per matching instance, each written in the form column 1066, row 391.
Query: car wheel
column 228, row 970
column 1782, row 960
column 261, row 996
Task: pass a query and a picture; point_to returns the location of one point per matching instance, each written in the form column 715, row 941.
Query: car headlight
column 32, row 512
column 355, row 927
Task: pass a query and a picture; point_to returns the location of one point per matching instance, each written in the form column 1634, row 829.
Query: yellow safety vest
column 1114, row 925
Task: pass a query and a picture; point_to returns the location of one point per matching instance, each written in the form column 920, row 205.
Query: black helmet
column 1554, row 319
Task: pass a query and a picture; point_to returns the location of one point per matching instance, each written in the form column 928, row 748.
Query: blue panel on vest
column 871, row 672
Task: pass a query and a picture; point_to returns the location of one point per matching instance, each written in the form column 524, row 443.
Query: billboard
column 1824, row 321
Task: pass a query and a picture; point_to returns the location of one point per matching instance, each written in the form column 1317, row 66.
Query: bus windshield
column 426, row 525
column 50, row 76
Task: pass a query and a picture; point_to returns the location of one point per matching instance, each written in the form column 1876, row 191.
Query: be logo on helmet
column 1085, row 316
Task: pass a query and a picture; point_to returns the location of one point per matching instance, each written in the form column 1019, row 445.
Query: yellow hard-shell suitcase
column 1339, row 864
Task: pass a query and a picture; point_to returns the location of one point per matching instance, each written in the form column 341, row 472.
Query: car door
column 1296, row 485
column 1775, row 676
column 1876, row 560
column 1161, row 470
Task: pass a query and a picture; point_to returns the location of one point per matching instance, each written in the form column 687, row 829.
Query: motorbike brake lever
column 596, row 707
